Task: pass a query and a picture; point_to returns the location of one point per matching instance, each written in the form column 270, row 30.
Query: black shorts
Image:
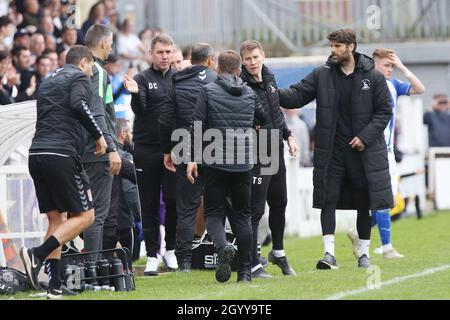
column 60, row 183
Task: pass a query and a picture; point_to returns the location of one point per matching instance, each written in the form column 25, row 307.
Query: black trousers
column 273, row 189
column 346, row 167
column 151, row 175
column 219, row 184
column 188, row 201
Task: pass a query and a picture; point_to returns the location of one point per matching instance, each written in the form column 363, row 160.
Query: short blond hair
column 382, row 53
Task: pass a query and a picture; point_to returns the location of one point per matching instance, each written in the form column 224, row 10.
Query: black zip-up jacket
column 227, row 103
column 147, row 104
column 102, row 106
column 63, row 113
column 371, row 110
column 267, row 92
column 179, row 107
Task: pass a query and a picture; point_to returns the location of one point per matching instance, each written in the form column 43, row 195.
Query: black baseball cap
column 21, row 33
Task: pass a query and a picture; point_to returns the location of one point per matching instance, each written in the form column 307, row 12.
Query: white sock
column 328, row 244
column 257, row 267
column 278, row 253
column 387, row 247
column 364, row 247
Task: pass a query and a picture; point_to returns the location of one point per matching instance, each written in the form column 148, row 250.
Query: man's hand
column 357, row 144
column 168, row 162
column 396, row 62
column 293, row 147
column 192, row 172
column 114, row 163
column 100, row 146
column 130, row 84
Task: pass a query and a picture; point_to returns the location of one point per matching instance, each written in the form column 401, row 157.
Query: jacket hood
column 363, row 62
column 188, row 73
column 231, row 84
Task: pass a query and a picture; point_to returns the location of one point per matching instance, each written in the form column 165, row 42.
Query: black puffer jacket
column 225, row 104
column 371, row 111
column 267, row 92
column 179, row 106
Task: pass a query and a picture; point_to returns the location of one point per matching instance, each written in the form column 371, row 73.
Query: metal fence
column 298, row 23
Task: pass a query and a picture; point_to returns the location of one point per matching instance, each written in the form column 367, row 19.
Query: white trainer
column 392, row 254
column 151, row 268
column 170, row 259
column 378, row 250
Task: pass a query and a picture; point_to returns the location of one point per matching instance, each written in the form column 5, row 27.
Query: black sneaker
column 244, row 277
column 264, row 262
column 67, row 292
column 282, row 263
column 32, row 266
column 328, row 262
column 54, row 294
column 226, row 256
column 184, row 266
column 261, row 274
column 364, row 261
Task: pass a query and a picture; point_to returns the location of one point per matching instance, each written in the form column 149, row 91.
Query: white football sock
column 328, row 244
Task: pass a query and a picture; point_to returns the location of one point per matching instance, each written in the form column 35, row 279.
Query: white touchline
column 425, row 272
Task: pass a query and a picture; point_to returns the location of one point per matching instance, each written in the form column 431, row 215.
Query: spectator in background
column 53, row 56
column 120, row 94
column 21, row 59
column 300, row 132
column 96, row 16
column 62, row 58
column 50, row 42
column 6, row 31
column 438, row 122
column 129, row 47
column 59, row 21
column 68, row 39
column 21, row 39
column 30, row 14
column 31, row 80
column 46, row 26
column 177, row 60
column 8, row 77
column 37, row 46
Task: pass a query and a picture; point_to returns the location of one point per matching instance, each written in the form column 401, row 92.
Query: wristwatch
column 108, row 150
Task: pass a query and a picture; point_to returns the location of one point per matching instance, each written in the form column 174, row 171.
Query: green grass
column 425, row 243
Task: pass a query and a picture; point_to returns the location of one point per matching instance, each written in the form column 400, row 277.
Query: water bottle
column 91, row 272
column 103, row 272
column 119, row 277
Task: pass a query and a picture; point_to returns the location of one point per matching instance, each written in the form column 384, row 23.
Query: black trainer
column 282, row 263
column 226, row 256
column 32, row 266
column 184, row 266
column 328, row 262
column 364, row 261
column 244, row 277
column 67, row 292
column 264, row 262
column 260, row 273
column 54, row 294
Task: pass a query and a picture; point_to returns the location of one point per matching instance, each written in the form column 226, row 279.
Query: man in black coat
column 270, row 187
column 228, row 108
column 177, row 113
column 351, row 169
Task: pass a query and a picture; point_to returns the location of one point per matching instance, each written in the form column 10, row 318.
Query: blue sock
column 374, row 219
column 383, row 219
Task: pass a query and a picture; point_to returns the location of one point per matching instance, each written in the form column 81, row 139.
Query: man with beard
column 351, row 170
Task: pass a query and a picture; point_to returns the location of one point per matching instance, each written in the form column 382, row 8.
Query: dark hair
column 17, row 50
column 3, row 55
column 95, row 35
column 162, row 38
column 78, row 52
column 201, row 52
column 250, row 45
column 187, row 52
column 5, row 21
column 47, row 51
column 229, row 62
column 122, row 124
column 346, row 36
column 43, row 56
